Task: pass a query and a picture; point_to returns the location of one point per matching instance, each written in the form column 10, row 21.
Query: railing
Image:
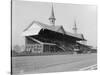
column 26, row 53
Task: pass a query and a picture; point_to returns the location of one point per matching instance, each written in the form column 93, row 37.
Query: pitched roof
column 80, row 36
column 35, row 27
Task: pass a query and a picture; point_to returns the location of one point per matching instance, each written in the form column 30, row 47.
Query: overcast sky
column 24, row 12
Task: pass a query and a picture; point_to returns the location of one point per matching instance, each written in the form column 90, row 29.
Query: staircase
column 63, row 47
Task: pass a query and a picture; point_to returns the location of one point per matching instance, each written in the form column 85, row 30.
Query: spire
column 52, row 17
column 75, row 27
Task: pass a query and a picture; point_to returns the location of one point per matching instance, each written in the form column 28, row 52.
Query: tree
column 17, row 48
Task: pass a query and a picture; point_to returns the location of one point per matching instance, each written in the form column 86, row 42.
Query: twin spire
column 52, row 20
column 52, row 17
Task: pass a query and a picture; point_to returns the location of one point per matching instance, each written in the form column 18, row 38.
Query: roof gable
column 61, row 30
column 32, row 29
column 36, row 26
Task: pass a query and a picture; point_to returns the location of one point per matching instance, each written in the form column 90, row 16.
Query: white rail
column 93, row 67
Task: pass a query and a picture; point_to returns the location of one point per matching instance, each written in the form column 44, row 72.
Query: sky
column 24, row 12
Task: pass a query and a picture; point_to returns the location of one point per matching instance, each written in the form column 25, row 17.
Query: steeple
column 75, row 27
column 52, row 17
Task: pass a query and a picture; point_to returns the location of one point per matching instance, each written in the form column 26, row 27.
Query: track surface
column 53, row 63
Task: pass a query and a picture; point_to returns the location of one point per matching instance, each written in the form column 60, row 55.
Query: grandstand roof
column 35, row 27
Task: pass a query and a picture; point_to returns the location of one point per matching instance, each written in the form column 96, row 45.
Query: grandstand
column 44, row 38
